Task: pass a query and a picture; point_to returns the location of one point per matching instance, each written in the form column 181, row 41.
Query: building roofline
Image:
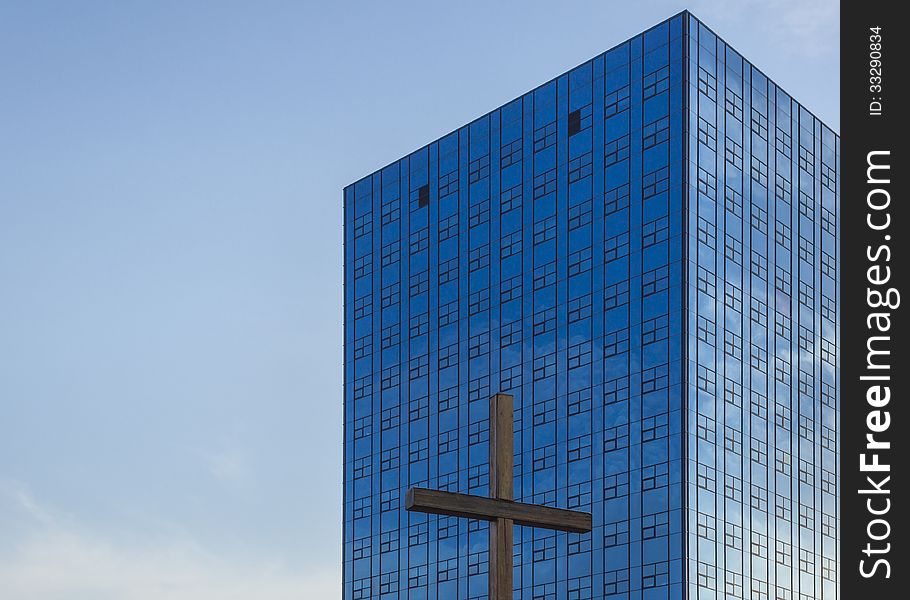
column 765, row 75
column 530, row 91
column 683, row 13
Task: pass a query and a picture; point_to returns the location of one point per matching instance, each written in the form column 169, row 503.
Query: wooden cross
column 499, row 509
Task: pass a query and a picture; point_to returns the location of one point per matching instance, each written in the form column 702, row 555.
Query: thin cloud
column 228, row 466
column 51, row 559
column 804, row 27
column 21, row 499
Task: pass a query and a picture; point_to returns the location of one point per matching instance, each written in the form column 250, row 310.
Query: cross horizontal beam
column 490, row 509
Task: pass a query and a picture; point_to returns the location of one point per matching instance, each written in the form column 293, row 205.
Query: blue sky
column 170, row 258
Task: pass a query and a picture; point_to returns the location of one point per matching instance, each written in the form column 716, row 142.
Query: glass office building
column 644, row 252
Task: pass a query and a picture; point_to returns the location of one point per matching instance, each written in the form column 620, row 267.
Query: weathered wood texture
column 502, row 424
column 499, row 578
column 489, row 509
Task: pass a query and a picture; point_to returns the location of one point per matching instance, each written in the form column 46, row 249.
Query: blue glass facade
column 576, row 248
column 762, row 335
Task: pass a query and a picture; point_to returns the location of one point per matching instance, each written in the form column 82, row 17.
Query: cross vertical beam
column 501, row 488
column 502, row 438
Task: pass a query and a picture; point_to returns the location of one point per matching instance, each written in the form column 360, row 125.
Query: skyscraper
column 644, row 252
